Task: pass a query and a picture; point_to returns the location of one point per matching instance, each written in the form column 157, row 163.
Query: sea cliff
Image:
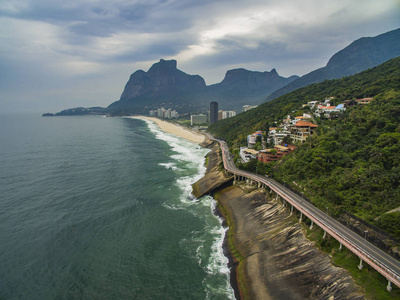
column 270, row 256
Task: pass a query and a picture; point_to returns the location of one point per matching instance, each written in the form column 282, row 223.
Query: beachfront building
column 164, row 113
column 198, row 119
column 301, row 131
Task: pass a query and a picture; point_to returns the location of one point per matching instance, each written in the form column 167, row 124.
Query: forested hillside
column 353, row 162
column 365, row 84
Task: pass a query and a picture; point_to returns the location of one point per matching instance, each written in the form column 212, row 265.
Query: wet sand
column 190, row 135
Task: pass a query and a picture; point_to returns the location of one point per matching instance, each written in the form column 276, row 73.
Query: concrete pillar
column 301, row 216
column 360, row 266
column 291, row 210
column 312, row 224
column 324, row 235
column 340, row 247
column 389, row 286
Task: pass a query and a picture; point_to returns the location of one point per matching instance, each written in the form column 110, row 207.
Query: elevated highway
column 376, row 258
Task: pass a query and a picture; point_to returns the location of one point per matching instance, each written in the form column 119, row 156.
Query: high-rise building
column 228, row 114
column 213, row 112
column 198, row 119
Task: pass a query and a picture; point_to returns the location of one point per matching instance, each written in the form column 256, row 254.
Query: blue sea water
column 100, row 208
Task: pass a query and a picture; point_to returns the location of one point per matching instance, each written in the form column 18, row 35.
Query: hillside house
column 247, row 154
column 364, row 101
column 301, row 131
column 269, row 155
column 252, row 138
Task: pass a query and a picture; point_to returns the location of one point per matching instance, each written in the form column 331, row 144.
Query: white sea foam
column 171, row 166
column 187, row 157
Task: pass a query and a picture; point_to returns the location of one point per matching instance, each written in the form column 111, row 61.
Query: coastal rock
column 274, row 258
column 213, row 178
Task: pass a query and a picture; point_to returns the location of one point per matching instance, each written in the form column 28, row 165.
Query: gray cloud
column 53, row 47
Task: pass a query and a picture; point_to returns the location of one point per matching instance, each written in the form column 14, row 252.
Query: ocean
column 101, row 208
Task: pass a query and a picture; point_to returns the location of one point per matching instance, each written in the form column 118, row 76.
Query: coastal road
column 379, row 260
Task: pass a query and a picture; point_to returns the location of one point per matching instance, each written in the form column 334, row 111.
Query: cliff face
column 164, row 84
column 250, row 85
column 360, row 55
column 163, row 78
column 277, row 261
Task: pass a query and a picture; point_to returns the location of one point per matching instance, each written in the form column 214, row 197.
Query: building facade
column 198, row 119
column 213, row 112
column 301, row 131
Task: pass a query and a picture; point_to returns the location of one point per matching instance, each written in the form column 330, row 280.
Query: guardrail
column 389, row 274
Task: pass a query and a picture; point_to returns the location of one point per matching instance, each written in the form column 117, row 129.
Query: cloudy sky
column 57, row 54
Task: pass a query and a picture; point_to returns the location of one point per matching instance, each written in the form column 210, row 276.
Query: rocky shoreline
column 270, row 256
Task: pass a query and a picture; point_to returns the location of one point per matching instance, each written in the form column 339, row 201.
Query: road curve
column 376, row 258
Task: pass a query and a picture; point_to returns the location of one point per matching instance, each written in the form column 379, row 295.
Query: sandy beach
column 177, row 130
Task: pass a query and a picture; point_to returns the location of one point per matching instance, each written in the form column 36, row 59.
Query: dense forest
column 353, row 162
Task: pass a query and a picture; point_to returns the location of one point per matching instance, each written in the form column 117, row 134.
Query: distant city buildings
column 164, row 113
column 213, row 112
column 224, row 114
column 198, row 119
column 248, row 107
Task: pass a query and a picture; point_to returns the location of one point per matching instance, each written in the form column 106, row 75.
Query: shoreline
column 204, row 141
column 267, row 248
column 186, row 133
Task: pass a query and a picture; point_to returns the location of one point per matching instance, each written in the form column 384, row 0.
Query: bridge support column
column 301, row 216
column 340, row 247
column 389, row 286
column 312, row 224
column 324, row 235
column 360, row 266
column 259, row 184
column 291, row 210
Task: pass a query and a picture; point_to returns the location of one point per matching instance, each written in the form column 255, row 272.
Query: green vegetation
column 374, row 283
column 369, row 83
column 353, row 162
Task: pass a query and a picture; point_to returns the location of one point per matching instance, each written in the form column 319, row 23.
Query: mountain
column 362, row 54
column 241, row 86
column 370, row 83
column 352, row 163
column 164, row 84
